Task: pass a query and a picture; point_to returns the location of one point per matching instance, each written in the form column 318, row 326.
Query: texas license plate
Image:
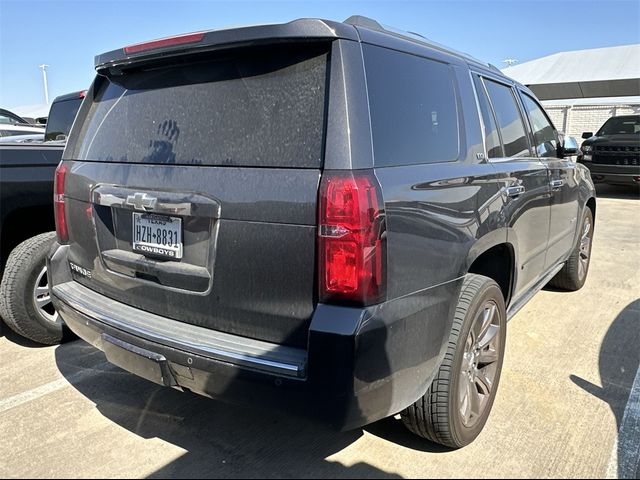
column 157, row 235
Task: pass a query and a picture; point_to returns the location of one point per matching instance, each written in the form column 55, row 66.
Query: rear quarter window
column 413, row 107
column 262, row 108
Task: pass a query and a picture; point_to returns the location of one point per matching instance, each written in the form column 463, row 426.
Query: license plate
column 157, row 235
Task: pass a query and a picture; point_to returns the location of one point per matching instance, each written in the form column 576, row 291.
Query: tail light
column 58, row 204
column 351, row 245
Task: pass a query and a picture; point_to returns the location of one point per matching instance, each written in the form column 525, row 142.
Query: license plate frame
column 147, row 227
column 144, row 363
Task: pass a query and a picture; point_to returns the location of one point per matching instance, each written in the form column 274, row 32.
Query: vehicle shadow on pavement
column 619, row 192
column 220, row 440
column 619, row 361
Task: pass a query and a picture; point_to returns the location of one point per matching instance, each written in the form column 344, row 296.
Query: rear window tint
column 492, row 140
column 61, row 118
column 257, row 108
column 414, row 114
column 514, row 136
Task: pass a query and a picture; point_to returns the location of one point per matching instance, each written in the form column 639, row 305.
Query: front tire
column 25, row 304
column 457, row 404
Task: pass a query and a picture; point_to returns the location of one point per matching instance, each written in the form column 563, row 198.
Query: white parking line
column 42, row 390
column 625, row 457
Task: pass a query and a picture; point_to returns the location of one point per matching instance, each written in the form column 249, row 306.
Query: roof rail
column 370, row 23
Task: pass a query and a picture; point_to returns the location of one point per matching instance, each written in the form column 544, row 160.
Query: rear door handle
column 515, row 191
column 556, row 183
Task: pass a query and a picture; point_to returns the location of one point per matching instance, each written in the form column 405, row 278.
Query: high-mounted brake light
column 351, row 246
column 59, row 204
column 164, row 42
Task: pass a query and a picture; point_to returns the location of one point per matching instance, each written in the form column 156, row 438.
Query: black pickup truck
column 26, row 224
column 613, row 153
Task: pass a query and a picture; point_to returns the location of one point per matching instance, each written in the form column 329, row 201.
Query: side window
column 494, row 148
column 413, row 107
column 512, row 129
column 5, row 120
column 545, row 135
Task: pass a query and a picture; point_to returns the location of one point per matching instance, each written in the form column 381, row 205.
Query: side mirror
column 587, row 135
column 570, row 147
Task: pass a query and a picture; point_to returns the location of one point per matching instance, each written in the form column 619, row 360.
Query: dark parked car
column 613, row 153
column 326, row 217
column 26, row 223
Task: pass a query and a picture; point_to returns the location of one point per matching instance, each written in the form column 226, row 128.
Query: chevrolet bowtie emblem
column 141, row 201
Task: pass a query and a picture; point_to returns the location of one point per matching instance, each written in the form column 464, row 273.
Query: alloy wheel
column 479, row 364
column 42, row 298
column 585, row 249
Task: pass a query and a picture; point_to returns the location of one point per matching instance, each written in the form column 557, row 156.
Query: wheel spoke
column 469, row 343
column 484, row 379
column 584, row 246
column 483, row 323
column 43, row 301
column 487, row 356
column 475, row 399
column 490, row 335
column 465, row 405
column 42, row 291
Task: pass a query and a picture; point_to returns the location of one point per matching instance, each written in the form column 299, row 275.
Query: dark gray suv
column 331, row 218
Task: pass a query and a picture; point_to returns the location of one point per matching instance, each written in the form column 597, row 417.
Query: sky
column 68, row 34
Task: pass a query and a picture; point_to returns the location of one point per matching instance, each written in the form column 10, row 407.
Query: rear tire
column 573, row 275
column 457, row 404
column 25, row 305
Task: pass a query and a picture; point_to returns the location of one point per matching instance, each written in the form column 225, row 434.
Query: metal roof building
column 599, row 72
column 580, row 90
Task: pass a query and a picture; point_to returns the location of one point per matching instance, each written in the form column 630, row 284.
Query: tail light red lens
column 351, row 246
column 58, row 204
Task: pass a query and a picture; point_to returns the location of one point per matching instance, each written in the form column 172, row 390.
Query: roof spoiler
column 305, row 29
column 297, row 30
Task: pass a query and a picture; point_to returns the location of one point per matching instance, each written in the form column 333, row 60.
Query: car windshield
column 621, row 125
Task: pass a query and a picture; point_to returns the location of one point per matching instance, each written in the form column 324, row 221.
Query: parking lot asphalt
column 562, row 409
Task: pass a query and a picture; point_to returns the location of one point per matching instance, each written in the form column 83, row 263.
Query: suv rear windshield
column 261, row 108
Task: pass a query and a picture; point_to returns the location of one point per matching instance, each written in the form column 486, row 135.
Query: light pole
column 43, row 67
